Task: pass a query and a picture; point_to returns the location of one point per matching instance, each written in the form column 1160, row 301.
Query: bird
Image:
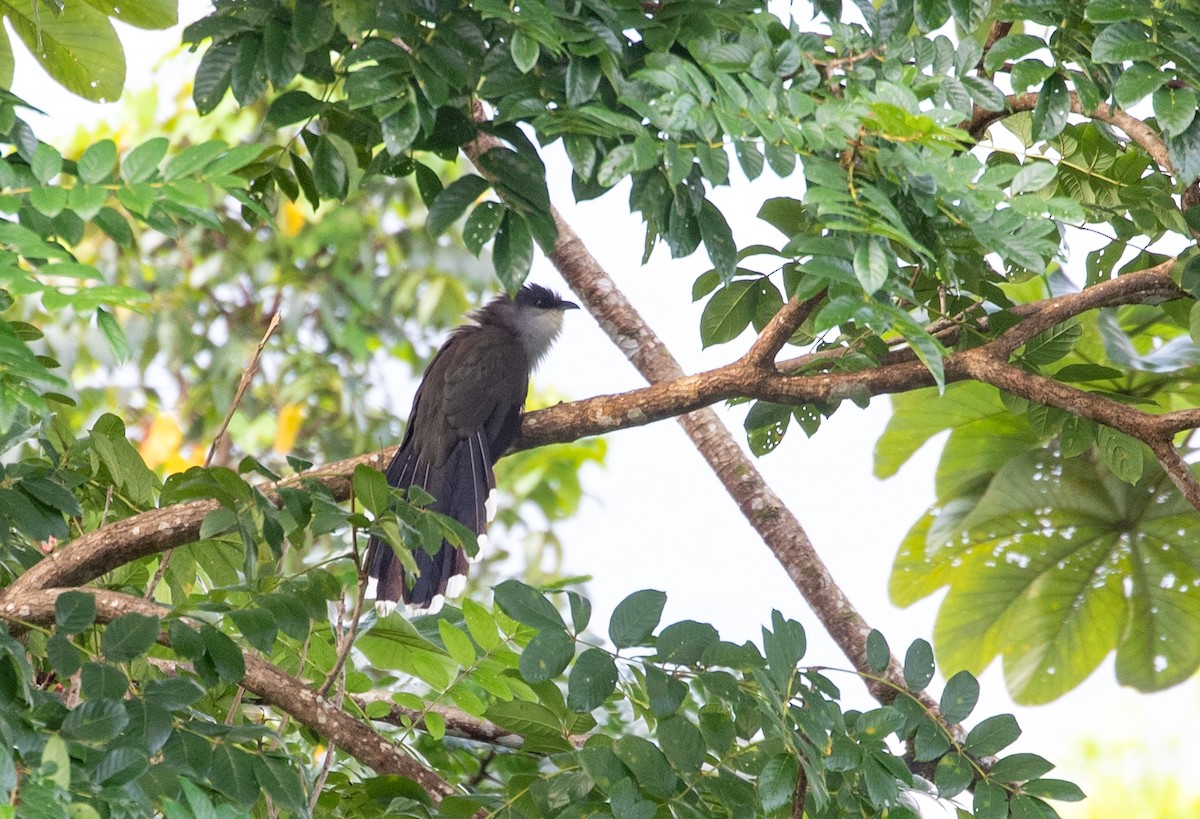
column 466, row 413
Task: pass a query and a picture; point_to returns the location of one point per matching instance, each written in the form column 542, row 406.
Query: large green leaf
column 7, row 63
column 78, row 46
column 1056, row 564
column 150, row 14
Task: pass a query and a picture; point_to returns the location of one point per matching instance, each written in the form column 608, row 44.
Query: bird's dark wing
column 466, row 413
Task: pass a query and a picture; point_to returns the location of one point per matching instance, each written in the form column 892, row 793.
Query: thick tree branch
column 115, row 544
column 281, row 690
column 1138, row 131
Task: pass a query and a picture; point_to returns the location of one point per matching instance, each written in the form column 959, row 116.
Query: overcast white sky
column 657, row 518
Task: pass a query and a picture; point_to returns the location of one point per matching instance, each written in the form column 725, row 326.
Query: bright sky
column 656, row 517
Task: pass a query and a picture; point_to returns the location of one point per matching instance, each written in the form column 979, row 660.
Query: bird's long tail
column 461, row 488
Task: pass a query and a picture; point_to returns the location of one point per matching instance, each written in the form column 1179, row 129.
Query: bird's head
column 534, row 315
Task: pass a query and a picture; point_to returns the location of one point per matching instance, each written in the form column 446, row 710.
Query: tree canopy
column 192, row 308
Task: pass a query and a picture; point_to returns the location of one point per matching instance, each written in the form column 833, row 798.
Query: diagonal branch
column 1138, row 131
column 285, row 692
column 779, row 329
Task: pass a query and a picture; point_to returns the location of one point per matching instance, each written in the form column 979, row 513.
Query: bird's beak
column 568, row 305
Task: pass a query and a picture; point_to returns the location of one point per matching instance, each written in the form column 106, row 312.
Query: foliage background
column 694, row 555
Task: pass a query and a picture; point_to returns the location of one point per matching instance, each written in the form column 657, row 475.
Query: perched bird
column 466, row 413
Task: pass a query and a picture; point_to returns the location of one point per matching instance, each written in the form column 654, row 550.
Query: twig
column 247, row 375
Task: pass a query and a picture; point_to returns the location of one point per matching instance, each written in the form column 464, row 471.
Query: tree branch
column 779, row 329
column 1138, row 131
column 285, row 692
column 122, row 541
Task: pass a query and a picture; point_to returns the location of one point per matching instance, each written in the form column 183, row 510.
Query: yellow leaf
column 287, row 427
column 292, row 219
column 161, row 441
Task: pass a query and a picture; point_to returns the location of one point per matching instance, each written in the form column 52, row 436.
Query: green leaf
column 592, row 680
column 718, row 240
column 1033, row 176
column 1053, row 106
column 512, row 252
column 871, row 265
column 56, row 762
column 371, row 489
column 1175, row 109
column 457, row 643
column 226, row 657
column 113, row 334
column 729, row 312
column 993, row 735
column 233, row 773
column 524, row 50
column 583, row 80
column 102, row 681
column 1137, row 82
column 784, row 645
column 292, row 107
column 194, row 159
column 282, row 56
column 970, row 14
column 878, row 653
column 1129, row 40
column 330, row 173
column 635, row 618
column 214, row 75
column 527, row 605
column 681, row 742
column 482, row 225
column 129, row 636
column 76, row 45
column 74, row 611
column 257, row 626
column 278, row 778
column 959, row 697
column 452, row 201
column 1020, row 768
column 953, row 775
column 435, row 724
column 7, row 70
column 1009, row 48
column 482, row 625
column 1113, row 11
column 618, row 164
column 665, row 692
column 47, row 162
column 96, row 720
column 1056, row 789
column 547, row 655
column 1121, row 453
column 1051, row 345
column 98, row 161
column 648, row 765
column 777, row 782
column 918, row 665
column 685, row 642
column 64, row 657
column 990, row 802
column 141, row 164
